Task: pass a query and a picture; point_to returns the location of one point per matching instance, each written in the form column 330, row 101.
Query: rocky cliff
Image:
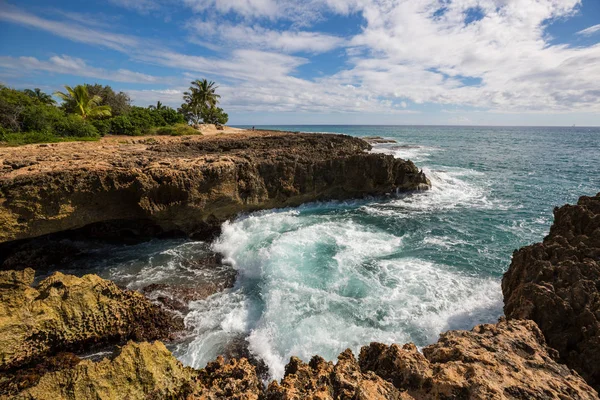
column 556, row 283
column 64, row 312
column 186, row 185
column 508, row 360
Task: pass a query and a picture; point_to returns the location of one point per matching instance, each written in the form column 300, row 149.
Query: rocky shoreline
column 549, row 337
column 184, row 186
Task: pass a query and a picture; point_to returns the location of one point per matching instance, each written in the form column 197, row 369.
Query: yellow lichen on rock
column 68, row 312
column 140, row 371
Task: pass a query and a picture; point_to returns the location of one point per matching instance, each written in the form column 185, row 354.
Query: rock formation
column 147, row 371
column 556, row 283
column 65, row 312
column 494, row 361
column 186, row 185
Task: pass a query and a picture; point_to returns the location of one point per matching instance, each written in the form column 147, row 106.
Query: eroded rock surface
column 148, row 371
column 140, row 371
column 508, row 360
column 65, row 312
column 556, row 283
column 188, row 185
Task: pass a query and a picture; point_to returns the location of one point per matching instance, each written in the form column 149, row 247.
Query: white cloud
column 590, row 31
column 75, row 66
column 255, row 36
column 406, row 52
column 142, row 6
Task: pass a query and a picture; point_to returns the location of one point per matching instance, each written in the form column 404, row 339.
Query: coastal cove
column 389, row 267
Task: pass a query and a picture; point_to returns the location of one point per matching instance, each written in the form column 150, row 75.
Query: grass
column 175, row 130
column 19, row 139
column 22, row 138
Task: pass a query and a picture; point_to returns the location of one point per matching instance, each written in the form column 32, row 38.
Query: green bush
column 170, row 116
column 214, row 115
column 122, row 125
column 176, row 130
column 103, row 126
column 40, row 118
column 74, row 126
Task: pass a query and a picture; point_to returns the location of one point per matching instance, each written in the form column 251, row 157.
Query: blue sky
column 466, row 62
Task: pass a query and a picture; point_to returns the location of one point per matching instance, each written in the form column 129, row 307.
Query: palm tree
column 158, row 106
column 40, row 96
column 202, row 94
column 85, row 105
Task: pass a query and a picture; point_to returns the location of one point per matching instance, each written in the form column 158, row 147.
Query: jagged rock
column 65, row 312
column 322, row 380
column 188, row 185
column 139, row 371
column 148, row 371
column 556, row 283
column 235, row 379
column 507, row 360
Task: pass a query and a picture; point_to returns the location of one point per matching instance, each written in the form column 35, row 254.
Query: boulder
column 556, row 283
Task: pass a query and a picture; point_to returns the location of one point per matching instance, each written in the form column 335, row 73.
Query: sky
column 430, row 62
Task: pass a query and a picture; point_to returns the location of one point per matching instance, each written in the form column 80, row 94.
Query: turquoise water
column 329, row 276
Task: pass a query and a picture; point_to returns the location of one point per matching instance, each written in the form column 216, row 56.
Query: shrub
column 75, row 126
column 103, row 126
column 41, row 118
column 176, row 130
column 12, row 105
column 171, row 116
column 122, row 125
column 214, row 115
column 143, row 119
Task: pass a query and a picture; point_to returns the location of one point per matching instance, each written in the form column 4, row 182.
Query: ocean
column 323, row 277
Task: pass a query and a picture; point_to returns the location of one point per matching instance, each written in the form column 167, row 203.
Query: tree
column 159, row 106
column 202, row 95
column 37, row 94
column 85, row 105
column 214, row 115
column 119, row 103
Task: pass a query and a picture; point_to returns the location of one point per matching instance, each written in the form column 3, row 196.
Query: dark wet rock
column 377, row 140
column 40, row 252
column 178, row 296
column 556, row 283
column 186, row 185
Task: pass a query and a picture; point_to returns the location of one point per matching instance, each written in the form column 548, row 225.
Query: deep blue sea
column 329, row 276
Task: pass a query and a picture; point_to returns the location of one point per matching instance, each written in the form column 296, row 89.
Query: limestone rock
column 65, row 312
column 321, row 380
column 140, row 371
column 187, row 185
column 556, row 283
column 508, row 360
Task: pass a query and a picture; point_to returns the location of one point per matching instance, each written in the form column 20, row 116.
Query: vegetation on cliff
column 90, row 111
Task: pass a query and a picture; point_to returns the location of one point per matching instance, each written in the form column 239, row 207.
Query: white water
column 321, row 278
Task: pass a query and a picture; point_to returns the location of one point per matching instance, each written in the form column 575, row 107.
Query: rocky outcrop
column 556, row 283
column 508, row 360
column 147, row 371
column 323, row 380
column 494, row 361
column 186, row 185
column 139, row 371
column 65, row 312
